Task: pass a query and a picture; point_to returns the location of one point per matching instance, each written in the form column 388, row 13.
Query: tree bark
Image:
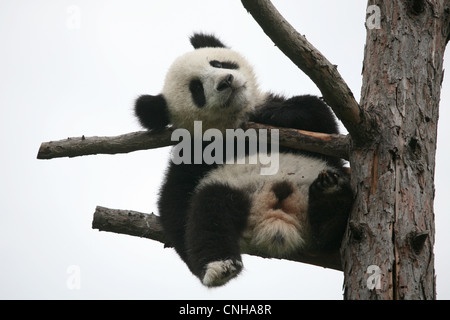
column 391, row 228
column 129, row 222
column 75, row 147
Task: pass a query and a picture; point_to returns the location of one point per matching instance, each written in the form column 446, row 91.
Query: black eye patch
column 198, row 93
column 223, row 64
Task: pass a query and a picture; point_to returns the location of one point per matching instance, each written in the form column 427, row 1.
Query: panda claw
column 327, row 182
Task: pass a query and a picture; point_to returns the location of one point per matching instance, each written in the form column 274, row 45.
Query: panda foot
column 218, row 273
column 328, row 182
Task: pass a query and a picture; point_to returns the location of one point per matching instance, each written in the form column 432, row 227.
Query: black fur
column 301, row 112
column 152, row 112
column 224, row 64
column 282, row 190
column 197, row 92
column 202, row 40
column 328, row 211
column 304, row 112
column 216, row 219
column 175, row 200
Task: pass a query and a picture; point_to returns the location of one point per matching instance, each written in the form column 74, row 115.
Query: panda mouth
column 233, row 98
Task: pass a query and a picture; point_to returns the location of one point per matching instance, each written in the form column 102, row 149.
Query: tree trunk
column 387, row 252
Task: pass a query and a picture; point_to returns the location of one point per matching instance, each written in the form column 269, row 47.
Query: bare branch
column 128, row 222
column 328, row 144
column 148, row 226
column 335, row 91
column 75, row 147
column 335, row 145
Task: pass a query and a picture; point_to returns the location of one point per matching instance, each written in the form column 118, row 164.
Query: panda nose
column 225, row 82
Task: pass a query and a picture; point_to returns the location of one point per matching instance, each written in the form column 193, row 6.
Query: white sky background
column 58, row 82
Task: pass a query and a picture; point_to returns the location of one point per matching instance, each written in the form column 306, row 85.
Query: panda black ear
column 203, row 40
column 152, row 112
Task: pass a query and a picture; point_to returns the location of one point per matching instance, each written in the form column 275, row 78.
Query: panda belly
column 277, row 223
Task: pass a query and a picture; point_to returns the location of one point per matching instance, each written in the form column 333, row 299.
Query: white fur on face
column 223, row 109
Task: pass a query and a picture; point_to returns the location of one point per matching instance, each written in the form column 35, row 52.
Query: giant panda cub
column 211, row 213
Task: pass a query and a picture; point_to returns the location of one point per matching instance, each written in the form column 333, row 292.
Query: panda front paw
column 218, row 273
column 328, row 182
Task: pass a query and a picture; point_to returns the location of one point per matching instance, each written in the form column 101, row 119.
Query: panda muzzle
column 225, row 83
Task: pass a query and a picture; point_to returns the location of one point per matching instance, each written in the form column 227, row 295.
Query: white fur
column 241, row 98
column 298, row 169
column 276, row 229
column 219, row 272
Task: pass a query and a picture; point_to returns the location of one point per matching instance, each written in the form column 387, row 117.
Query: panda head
column 212, row 84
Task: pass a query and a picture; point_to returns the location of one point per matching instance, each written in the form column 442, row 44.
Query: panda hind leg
column 217, row 218
column 330, row 202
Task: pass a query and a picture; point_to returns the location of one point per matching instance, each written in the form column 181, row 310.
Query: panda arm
column 304, row 112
